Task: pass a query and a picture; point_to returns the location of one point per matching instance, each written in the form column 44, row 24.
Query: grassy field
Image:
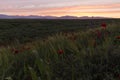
column 91, row 52
column 30, row 30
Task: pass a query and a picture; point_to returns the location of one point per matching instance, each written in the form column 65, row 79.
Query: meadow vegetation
column 87, row 54
column 30, row 30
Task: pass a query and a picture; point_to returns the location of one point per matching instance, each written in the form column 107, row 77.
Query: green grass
column 84, row 56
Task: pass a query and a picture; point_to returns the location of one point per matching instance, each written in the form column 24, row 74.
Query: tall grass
column 65, row 56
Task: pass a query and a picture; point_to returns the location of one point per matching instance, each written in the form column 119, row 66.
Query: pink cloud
column 104, row 10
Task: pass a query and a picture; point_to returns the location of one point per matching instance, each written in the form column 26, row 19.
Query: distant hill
column 2, row 16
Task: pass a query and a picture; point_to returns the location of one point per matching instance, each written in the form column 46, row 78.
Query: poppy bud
column 60, row 51
column 103, row 25
column 117, row 37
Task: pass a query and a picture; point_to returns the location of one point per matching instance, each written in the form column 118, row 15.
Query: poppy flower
column 15, row 51
column 60, row 51
column 117, row 37
column 103, row 25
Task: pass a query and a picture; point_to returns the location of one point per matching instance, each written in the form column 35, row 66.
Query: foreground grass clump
column 90, row 55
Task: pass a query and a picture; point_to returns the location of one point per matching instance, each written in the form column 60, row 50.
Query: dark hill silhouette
column 3, row 16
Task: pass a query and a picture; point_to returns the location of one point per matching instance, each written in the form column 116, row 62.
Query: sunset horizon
column 77, row 8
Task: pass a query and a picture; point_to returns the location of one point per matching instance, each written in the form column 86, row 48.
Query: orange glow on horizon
column 108, row 10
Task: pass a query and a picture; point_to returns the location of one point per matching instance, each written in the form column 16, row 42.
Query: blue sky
column 108, row 8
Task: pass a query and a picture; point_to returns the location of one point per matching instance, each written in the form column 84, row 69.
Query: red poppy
column 103, row 25
column 60, row 51
column 117, row 37
column 15, row 51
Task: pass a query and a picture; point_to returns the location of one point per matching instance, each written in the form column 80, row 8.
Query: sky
column 105, row 8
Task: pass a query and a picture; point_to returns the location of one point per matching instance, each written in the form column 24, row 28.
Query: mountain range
column 3, row 16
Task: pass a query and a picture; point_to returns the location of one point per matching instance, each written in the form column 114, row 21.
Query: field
column 30, row 30
column 60, row 49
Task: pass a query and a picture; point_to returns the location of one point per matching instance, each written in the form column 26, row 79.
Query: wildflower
column 60, row 51
column 15, row 51
column 118, row 37
column 103, row 25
